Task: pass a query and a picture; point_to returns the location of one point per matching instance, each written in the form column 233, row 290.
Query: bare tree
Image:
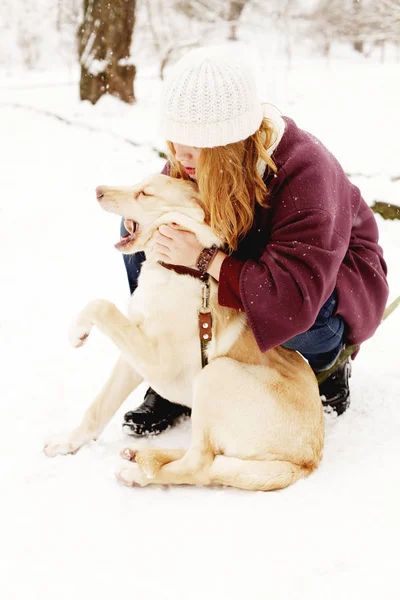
column 228, row 11
column 235, row 10
column 157, row 17
column 358, row 22
column 68, row 13
column 34, row 33
column 178, row 25
column 104, row 50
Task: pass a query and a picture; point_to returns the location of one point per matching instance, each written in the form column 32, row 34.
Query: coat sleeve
column 283, row 291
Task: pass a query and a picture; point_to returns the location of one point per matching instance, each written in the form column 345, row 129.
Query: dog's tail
column 262, row 475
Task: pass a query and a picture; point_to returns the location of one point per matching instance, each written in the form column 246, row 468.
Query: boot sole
column 137, row 430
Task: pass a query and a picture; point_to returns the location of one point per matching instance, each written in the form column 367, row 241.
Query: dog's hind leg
column 151, row 460
column 193, row 466
column 122, row 381
column 164, row 466
column 145, row 469
column 175, row 467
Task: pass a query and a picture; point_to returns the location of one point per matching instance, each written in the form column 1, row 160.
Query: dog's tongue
column 123, row 241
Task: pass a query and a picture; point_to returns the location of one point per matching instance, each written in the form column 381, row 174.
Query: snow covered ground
column 68, row 529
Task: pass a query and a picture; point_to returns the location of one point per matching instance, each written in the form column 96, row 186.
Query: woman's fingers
column 162, row 241
column 176, row 246
column 167, row 231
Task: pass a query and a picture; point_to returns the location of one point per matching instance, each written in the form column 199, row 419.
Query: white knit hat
column 210, row 100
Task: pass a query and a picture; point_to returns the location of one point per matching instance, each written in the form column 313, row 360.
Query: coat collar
column 273, row 114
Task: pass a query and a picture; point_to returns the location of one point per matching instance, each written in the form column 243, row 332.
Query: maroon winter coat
column 318, row 234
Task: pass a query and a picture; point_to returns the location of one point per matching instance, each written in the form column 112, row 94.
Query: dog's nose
column 99, row 193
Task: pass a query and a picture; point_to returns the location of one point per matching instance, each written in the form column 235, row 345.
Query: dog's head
column 155, row 201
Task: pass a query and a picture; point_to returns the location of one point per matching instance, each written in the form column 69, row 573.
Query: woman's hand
column 176, row 247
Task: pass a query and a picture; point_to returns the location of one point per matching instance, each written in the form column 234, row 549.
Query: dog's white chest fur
column 166, row 305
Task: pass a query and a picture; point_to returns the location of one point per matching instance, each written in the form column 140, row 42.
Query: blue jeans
column 133, row 263
column 320, row 345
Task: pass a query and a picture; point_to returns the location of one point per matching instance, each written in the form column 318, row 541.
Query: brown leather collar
column 205, row 316
column 181, row 270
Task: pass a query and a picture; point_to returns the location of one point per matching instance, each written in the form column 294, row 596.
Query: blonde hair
column 229, row 182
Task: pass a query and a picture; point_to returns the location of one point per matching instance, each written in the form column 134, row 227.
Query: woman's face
column 188, row 156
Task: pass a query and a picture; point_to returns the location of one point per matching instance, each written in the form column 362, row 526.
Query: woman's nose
column 182, row 152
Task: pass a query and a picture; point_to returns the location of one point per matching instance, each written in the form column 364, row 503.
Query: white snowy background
column 67, row 528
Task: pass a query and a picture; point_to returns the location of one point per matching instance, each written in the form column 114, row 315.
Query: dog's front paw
column 62, row 444
column 131, row 475
column 78, row 333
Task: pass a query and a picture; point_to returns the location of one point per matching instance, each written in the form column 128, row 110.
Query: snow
column 68, row 529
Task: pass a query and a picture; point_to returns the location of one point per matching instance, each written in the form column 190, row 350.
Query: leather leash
column 205, row 316
column 205, row 322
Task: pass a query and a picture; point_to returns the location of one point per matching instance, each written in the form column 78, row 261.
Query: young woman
column 302, row 257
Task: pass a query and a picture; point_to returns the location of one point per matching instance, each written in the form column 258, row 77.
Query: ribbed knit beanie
column 210, row 99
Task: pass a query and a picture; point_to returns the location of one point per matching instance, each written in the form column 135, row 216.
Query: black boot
column 334, row 391
column 153, row 416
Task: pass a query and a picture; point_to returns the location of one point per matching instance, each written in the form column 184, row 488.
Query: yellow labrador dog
column 257, row 421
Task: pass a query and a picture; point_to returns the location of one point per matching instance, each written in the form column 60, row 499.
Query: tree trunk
column 235, row 10
column 358, row 45
column 104, row 41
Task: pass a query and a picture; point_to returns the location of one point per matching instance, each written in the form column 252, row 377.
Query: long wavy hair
column 229, row 183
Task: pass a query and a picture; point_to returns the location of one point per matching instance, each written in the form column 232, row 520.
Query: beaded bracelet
column 205, row 257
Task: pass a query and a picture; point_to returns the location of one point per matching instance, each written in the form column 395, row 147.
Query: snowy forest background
column 38, row 35
column 68, row 529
